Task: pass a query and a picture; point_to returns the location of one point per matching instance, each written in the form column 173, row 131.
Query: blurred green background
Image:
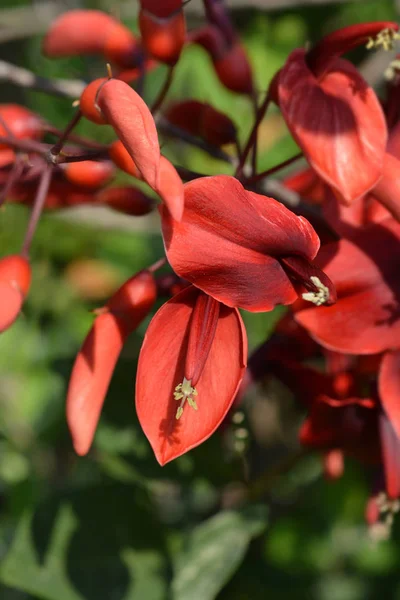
column 115, row 525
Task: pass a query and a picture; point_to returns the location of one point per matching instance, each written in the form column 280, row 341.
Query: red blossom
column 365, row 319
column 337, row 121
column 239, row 246
column 190, row 366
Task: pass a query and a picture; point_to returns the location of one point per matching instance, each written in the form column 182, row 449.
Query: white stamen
column 321, row 296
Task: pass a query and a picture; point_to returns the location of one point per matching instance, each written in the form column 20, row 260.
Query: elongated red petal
column 390, row 443
column 229, row 241
column 133, row 123
column 95, row 362
column 163, row 38
column 170, row 189
column 342, row 40
column 91, row 376
column 234, row 70
column 337, row 121
column 161, row 369
column 78, row 32
column 15, row 279
column 389, row 388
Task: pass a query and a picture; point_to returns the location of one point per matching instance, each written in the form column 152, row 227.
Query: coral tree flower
column 365, row 319
column 192, row 361
column 243, row 249
column 96, row 360
column 333, row 114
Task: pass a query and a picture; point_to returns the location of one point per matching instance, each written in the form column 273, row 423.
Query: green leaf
column 214, row 551
column 96, row 543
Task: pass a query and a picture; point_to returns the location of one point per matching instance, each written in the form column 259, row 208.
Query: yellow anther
column 320, row 296
column 184, row 391
column 392, row 70
column 385, row 39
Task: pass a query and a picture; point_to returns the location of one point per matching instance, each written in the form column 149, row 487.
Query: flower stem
column 41, row 195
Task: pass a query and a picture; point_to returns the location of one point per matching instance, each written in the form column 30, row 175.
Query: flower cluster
column 334, row 259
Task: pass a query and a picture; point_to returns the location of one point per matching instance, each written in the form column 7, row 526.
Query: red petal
column 89, row 173
column 91, row 376
column 228, row 242
column 11, row 303
column 87, row 101
column 22, row 123
column 391, row 456
column 163, row 38
column 161, row 369
column 161, row 9
column 170, row 188
column 387, row 191
column 234, row 70
column 95, row 363
column 133, row 123
column 16, row 271
column 128, row 200
column 78, row 32
column 365, row 318
column 389, row 388
column 337, row 121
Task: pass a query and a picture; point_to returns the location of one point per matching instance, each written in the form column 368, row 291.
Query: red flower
column 364, row 270
column 244, row 249
column 333, row 114
column 190, row 366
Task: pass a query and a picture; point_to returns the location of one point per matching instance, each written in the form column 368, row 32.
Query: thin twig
column 164, row 91
column 38, row 206
column 66, row 88
column 176, row 132
column 260, row 176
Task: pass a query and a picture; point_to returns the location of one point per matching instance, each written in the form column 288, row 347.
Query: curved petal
column 337, row 121
column 229, row 241
column 389, row 388
column 390, row 443
column 91, row 376
column 170, row 188
column 11, row 303
column 78, row 32
column 132, row 121
column 365, row 319
column 161, row 368
column 95, row 363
